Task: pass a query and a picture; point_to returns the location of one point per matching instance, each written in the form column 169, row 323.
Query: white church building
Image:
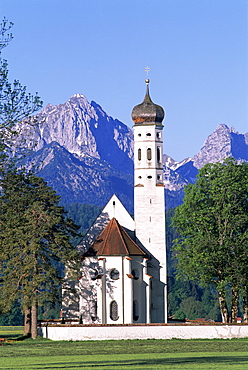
column 123, row 278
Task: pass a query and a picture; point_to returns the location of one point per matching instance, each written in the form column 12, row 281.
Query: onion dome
column 147, row 112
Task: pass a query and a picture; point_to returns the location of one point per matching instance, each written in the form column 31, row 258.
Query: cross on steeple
column 147, row 70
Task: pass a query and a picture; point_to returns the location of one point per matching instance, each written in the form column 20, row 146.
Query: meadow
column 19, row 353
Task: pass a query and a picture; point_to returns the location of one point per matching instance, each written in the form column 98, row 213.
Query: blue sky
column 196, row 51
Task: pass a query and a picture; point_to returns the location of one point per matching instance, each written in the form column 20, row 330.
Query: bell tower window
column 139, row 154
column 149, row 154
column 158, row 154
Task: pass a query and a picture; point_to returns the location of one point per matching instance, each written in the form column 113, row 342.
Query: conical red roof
column 114, row 241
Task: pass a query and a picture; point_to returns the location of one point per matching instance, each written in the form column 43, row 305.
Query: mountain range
column 87, row 156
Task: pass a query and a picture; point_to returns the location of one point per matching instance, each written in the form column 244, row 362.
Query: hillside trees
column 34, row 243
column 213, row 227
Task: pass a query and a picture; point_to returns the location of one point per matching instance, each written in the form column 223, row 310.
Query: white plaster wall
column 146, row 167
column 119, row 290
column 143, row 332
column 89, row 290
column 114, row 288
column 114, row 208
column 139, row 287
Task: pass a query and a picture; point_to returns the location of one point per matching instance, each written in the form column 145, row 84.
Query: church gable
column 114, row 208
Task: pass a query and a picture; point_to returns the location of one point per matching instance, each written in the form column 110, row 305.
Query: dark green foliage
column 13, row 317
column 49, row 311
column 34, row 241
column 179, row 315
column 192, row 308
column 181, row 290
column 189, row 300
column 83, row 215
column 213, row 226
column 171, row 234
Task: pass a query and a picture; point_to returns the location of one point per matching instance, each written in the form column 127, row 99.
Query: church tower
column 123, row 277
column 149, row 201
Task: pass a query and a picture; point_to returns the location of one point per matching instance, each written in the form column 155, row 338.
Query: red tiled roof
column 114, row 241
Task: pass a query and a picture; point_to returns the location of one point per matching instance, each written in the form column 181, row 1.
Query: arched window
column 114, row 311
column 158, row 154
column 149, row 154
column 135, row 310
column 139, row 154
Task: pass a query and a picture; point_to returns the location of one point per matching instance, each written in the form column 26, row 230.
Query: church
column 123, row 277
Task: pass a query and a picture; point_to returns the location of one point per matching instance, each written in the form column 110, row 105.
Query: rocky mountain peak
column 86, row 155
column 222, row 143
column 83, row 128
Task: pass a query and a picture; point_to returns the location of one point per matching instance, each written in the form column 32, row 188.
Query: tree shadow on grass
column 152, row 363
column 15, row 338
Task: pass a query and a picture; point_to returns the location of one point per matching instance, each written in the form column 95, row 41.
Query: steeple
column 147, row 112
column 149, row 201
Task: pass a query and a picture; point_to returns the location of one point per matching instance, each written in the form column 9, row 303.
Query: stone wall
column 117, row 332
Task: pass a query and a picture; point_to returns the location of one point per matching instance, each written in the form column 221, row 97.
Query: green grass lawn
column 123, row 354
column 11, row 331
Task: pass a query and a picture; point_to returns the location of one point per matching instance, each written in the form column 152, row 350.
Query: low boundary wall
column 116, row 332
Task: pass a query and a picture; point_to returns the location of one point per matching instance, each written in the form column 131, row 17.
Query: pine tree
column 34, row 243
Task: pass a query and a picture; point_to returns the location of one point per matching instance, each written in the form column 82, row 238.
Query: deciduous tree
column 213, row 227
